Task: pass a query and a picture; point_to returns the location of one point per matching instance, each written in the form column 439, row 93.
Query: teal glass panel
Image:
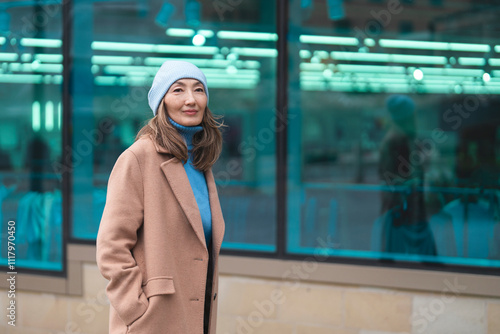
column 31, row 136
column 235, row 46
column 394, row 133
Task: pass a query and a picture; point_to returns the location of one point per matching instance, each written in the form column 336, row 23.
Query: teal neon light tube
column 41, row 42
column 246, row 35
column 389, row 58
column 429, row 45
column 331, row 40
column 150, row 48
column 179, row 32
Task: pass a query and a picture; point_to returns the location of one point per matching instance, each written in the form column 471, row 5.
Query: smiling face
column 185, row 102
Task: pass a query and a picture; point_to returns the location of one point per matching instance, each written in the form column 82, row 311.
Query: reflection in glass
column 393, row 136
column 114, row 70
column 30, row 135
column 401, row 168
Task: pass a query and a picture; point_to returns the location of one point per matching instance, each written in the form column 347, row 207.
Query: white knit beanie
column 169, row 72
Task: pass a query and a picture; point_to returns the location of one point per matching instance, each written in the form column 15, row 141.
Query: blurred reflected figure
column 401, row 170
column 37, row 160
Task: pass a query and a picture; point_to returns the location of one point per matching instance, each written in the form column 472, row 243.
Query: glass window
column 30, row 135
column 114, row 67
column 393, row 141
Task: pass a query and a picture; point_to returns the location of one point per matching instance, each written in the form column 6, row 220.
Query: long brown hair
column 207, row 144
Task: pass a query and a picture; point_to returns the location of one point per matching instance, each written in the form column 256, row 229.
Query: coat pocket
column 150, row 321
column 162, row 285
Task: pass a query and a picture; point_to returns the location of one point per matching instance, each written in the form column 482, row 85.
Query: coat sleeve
column 122, row 217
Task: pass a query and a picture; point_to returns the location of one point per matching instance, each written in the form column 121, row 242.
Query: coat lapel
column 179, row 183
column 177, row 178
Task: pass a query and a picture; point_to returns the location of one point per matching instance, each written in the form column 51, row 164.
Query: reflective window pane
column 394, row 132
column 114, row 67
column 30, row 135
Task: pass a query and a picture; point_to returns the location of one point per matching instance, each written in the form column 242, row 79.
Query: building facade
column 358, row 179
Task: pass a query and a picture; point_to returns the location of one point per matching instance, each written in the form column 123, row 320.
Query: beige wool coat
column 151, row 245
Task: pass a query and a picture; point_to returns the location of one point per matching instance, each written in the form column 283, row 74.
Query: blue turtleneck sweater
column 197, row 179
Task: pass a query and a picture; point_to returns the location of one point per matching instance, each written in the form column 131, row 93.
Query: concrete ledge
column 291, row 270
column 31, row 282
column 393, row 278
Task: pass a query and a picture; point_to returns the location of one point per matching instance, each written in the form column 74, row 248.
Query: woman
column 162, row 226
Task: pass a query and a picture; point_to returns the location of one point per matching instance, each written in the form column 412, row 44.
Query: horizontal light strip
column 481, row 90
column 49, row 58
column 331, row 40
column 359, row 80
column 119, row 46
column 137, row 81
column 178, row 32
column 354, row 56
column 138, row 73
column 377, row 77
column 124, row 69
column 8, row 56
column 222, row 76
column 159, row 48
column 55, row 68
column 452, row 71
column 230, row 83
column 469, row 47
column 363, row 75
column 149, row 70
column 31, row 79
column 398, row 78
column 389, row 58
column 41, row 42
column 245, row 35
column 250, row 64
column 469, row 61
column 255, row 52
column 112, row 60
column 430, row 77
column 33, row 67
column 435, row 88
column 21, row 78
column 105, row 81
column 157, row 61
column 312, row 67
column 394, row 43
column 209, row 71
column 186, row 49
column 429, row 45
column 494, row 61
column 346, row 68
